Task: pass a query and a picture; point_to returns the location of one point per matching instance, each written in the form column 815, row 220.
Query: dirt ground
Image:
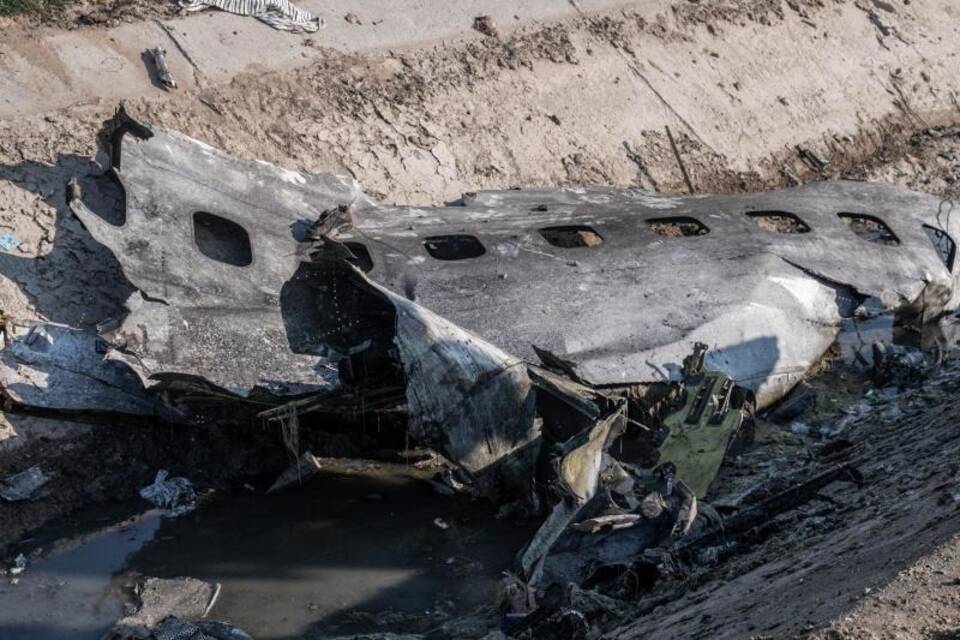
column 26, row 15
column 881, row 560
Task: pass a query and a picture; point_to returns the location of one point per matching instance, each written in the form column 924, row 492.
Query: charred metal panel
column 469, row 399
column 628, row 309
column 58, row 367
column 209, row 241
column 251, row 278
column 239, row 291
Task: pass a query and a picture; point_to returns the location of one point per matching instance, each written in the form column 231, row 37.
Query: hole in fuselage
column 943, row 243
column 361, row 256
column 778, row 221
column 454, row 247
column 221, row 239
column 570, row 236
column 678, row 227
column 870, row 228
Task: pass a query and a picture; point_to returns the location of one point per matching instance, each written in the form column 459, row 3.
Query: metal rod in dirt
column 676, row 153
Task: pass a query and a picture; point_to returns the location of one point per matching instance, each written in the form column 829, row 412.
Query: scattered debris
column 709, row 412
column 8, row 242
column 797, row 493
column 683, row 168
column 19, row 565
column 161, row 600
column 335, row 324
column 794, row 405
column 24, row 485
column 172, row 609
column 175, row 629
column 279, row 14
column 352, row 18
column 173, row 494
column 159, row 56
column 811, row 158
column 305, row 467
column 898, row 364
column 486, row 25
column 446, row 483
column 61, row 368
column 355, row 326
column 608, row 523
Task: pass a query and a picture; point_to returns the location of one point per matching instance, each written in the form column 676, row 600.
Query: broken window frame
column 758, row 214
column 230, row 226
column 571, row 229
column 452, row 238
column 850, row 217
column 938, row 235
column 678, row 221
column 362, row 257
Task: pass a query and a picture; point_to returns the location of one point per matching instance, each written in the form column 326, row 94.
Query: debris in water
column 440, row 523
column 19, row 565
column 446, row 483
column 174, row 494
column 24, row 485
column 611, row 522
column 897, row 365
column 305, row 467
column 176, row 629
column 161, row 599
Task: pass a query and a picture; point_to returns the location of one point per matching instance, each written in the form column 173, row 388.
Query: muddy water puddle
column 339, row 554
column 72, row 592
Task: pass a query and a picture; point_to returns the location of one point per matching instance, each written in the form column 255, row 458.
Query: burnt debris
column 519, row 334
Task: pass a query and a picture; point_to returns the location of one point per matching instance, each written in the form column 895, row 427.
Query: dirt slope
column 585, row 101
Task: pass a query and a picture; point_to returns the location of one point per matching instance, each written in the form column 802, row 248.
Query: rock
column 24, row 485
column 187, row 598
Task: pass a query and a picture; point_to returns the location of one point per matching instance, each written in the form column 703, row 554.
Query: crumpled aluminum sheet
column 194, row 315
column 173, row 494
column 58, row 367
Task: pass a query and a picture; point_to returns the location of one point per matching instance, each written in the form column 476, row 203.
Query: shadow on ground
column 74, row 280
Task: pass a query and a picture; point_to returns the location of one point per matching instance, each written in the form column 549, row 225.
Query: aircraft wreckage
column 520, row 332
